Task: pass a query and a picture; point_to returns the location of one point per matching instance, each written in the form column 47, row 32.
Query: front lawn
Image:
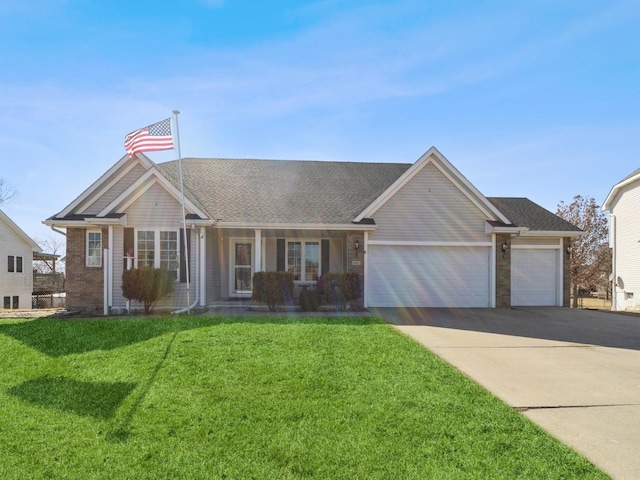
column 260, row 398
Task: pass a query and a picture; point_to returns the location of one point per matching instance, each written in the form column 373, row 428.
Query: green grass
column 254, row 398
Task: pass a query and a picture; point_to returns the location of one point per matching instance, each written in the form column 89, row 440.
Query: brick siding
column 84, row 285
column 503, row 271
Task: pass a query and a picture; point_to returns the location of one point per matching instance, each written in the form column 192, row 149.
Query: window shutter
column 129, row 244
column 280, row 263
column 325, row 256
column 183, row 260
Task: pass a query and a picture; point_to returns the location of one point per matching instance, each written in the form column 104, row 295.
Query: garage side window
column 14, row 264
column 94, row 248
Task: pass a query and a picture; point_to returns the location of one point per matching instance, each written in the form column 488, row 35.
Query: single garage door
column 534, row 277
column 418, row 276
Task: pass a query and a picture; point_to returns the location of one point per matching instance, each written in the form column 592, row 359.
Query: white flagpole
column 184, row 217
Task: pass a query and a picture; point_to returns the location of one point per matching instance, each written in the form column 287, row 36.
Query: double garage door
column 421, row 276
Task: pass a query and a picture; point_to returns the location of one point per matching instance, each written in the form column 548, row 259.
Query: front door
column 242, row 267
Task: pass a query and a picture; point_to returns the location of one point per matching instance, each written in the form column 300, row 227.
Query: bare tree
column 55, row 245
column 590, row 255
column 6, row 192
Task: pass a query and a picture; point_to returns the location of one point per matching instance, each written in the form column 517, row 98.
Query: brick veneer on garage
column 84, row 285
column 503, row 271
column 566, row 273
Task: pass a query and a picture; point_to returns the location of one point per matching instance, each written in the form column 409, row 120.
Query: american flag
column 154, row 137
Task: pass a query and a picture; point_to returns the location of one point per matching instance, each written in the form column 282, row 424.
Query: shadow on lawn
column 93, row 399
column 57, row 338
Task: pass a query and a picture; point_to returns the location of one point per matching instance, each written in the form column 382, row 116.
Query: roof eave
column 296, row 226
column 616, row 188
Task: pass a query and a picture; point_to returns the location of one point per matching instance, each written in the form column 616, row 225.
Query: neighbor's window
column 14, row 264
column 16, row 302
column 158, row 249
column 94, row 248
column 303, row 260
column 7, row 302
column 628, row 295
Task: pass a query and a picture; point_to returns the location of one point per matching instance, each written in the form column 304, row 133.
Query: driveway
column 576, row 373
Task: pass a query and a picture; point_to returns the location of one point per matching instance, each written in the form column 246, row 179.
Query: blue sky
column 537, row 99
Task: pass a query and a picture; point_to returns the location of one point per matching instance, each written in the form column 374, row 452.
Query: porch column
column 258, row 251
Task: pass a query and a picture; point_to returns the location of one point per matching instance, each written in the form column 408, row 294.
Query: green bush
column 273, row 288
column 147, row 285
column 340, row 288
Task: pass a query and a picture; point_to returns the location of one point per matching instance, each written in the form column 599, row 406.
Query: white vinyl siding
column 419, row 276
column 429, row 208
column 15, row 285
column 156, row 208
column 118, row 182
column 627, row 237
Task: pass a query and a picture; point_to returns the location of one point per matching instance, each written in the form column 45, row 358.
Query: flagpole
column 184, row 217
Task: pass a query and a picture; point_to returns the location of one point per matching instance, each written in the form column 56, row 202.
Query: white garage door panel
column 408, row 276
column 534, row 278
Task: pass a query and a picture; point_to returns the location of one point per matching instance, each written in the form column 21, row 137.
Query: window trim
column 88, row 263
column 303, row 260
column 15, row 264
column 156, row 247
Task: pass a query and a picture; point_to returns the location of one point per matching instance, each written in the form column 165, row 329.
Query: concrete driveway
column 576, row 373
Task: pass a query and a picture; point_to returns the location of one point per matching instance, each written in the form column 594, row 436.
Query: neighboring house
column 16, row 265
column 623, row 205
column 417, row 234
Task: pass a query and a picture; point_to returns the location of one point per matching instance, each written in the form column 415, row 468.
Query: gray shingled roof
column 525, row 213
column 282, row 191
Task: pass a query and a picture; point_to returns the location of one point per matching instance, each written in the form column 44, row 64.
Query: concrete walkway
column 576, row 373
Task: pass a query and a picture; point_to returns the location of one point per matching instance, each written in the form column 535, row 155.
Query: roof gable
column 628, row 180
column 4, row 218
column 433, row 156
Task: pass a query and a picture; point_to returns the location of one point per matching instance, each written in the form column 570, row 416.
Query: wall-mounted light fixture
column 568, row 250
column 356, row 245
column 505, row 246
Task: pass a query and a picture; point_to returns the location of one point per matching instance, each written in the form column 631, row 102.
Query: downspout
column 197, row 264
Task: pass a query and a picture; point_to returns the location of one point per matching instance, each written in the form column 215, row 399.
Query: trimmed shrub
column 340, row 288
column 147, row 285
column 273, row 288
column 309, row 300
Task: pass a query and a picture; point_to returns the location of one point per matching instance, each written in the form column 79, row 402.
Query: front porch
column 236, row 254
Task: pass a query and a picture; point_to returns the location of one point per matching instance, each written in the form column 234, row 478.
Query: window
column 94, row 249
column 7, row 302
column 14, row 264
column 158, row 249
column 16, row 302
column 169, row 251
column 146, row 249
column 303, row 260
column 628, row 295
